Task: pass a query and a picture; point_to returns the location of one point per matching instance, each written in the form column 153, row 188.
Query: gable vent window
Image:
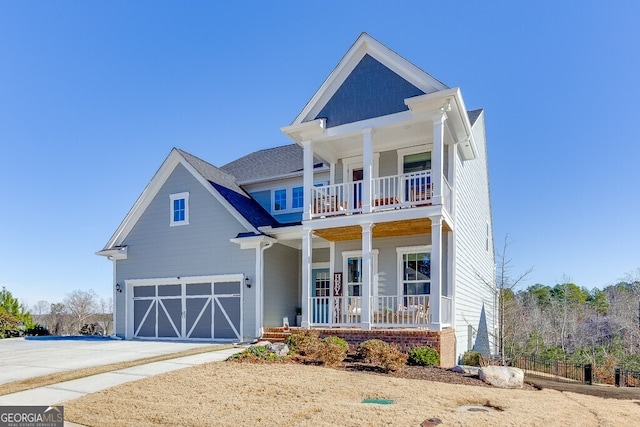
column 179, row 209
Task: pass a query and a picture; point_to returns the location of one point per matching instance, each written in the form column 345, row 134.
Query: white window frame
column 400, row 263
column 345, row 277
column 412, row 150
column 273, row 201
column 300, row 208
column 289, row 200
column 174, row 197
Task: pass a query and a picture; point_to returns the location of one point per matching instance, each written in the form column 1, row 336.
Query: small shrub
column 338, row 341
column 38, row 331
column 304, row 341
column 256, row 354
column 380, row 353
column 472, row 358
column 330, row 351
column 91, row 329
column 9, row 325
column 423, row 356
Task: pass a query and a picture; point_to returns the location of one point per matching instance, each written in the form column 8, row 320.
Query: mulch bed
column 351, row 363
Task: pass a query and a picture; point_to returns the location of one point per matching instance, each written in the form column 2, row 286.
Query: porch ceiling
column 382, row 229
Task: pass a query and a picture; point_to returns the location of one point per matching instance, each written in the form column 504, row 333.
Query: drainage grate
column 478, row 408
column 378, row 401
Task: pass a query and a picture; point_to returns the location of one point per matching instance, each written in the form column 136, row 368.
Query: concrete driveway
column 20, row 358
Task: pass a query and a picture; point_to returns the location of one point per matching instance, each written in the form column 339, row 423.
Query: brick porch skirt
column 405, row 339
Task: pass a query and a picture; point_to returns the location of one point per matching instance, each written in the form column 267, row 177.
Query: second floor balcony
column 408, row 190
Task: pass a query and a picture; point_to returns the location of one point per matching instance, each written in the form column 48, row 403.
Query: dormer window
column 280, row 200
column 287, row 200
column 179, row 209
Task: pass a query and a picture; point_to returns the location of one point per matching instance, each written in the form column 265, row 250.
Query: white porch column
column 437, row 164
column 306, row 276
column 367, row 274
column 307, row 180
column 436, row 273
column 367, row 169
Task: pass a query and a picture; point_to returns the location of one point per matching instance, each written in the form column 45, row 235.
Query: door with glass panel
column 321, row 295
column 353, row 287
column 417, row 179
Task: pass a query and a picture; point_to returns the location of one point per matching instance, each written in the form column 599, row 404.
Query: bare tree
column 105, row 315
column 56, row 319
column 505, row 283
column 41, row 308
column 81, row 306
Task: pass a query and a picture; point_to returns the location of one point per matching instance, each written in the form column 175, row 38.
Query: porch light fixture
column 118, row 287
column 247, row 282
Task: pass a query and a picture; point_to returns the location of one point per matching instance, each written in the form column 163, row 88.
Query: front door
column 321, row 294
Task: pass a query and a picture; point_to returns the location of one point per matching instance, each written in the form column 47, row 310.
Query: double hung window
column 414, row 268
column 179, row 209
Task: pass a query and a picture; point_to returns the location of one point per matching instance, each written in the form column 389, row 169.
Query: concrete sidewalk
column 57, row 393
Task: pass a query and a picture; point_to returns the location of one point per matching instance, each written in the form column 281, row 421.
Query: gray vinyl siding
column 388, row 165
column 281, row 284
column 475, row 265
column 202, row 248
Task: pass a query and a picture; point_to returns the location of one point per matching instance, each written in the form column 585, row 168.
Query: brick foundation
column 443, row 341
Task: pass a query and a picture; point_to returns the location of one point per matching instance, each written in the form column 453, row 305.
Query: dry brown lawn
column 234, row 394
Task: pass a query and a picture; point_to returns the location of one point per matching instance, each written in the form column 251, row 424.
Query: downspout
column 115, row 295
column 260, row 286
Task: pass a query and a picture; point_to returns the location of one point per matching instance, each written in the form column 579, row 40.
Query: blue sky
column 93, row 95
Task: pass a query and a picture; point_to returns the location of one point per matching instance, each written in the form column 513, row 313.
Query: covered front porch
column 391, row 311
column 378, row 275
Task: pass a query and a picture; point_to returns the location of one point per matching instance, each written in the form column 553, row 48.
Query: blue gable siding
column 371, row 90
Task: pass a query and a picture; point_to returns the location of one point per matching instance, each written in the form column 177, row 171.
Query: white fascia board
column 305, row 131
column 252, row 242
column 457, row 117
column 117, row 253
column 356, row 128
column 285, row 233
column 365, row 44
column 378, row 217
column 151, row 190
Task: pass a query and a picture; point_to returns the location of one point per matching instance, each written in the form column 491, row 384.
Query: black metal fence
column 564, row 371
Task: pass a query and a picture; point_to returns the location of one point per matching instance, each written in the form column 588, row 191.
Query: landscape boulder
column 280, row 349
column 502, row 376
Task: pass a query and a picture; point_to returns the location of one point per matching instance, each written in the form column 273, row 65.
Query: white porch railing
column 397, row 311
column 388, row 192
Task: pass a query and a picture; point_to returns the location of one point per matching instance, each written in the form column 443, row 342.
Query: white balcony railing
column 396, row 311
column 388, row 192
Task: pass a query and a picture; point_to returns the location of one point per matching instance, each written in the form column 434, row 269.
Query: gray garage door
column 205, row 311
